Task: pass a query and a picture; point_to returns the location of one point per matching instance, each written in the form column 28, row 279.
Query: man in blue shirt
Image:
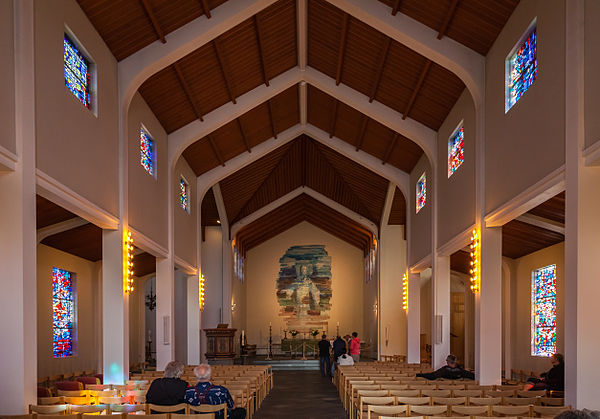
column 206, row 393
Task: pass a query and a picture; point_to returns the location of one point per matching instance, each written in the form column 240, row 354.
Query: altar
column 302, row 347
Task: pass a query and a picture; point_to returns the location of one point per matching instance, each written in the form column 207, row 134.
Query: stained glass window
column 543, row 311
column 184, row 194
column 456, row 154
column 421, row 192
column 147, row 152
column 522, row 70
column 63, row 313
column 77, row 72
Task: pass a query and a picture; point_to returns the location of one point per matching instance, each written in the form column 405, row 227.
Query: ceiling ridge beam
column 302, row 28
column 542, row 222
column 415, row 91
column 333, row 122
column 224, row 73
column 272, row 121
column 390, row 148
column 340, row 60
column 205, row 8
column 187, row 90
column 215, row 150
column 154, row 21
column 244, row 139
column 60, row 227
column 396, row 7
column 361, row 132
column 261, row 53
column 380, row 67
column 448, row 19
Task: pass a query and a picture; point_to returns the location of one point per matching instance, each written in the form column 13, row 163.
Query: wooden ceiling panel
column 228, row 140
column 520, row 239
column 84, row 241
column 325, row 23
column 201, row 157
column 278, row 37
column 257, row 124
column 48, row 213
column 209, row 212
column 143, row 264
column 319, row 109
column 461, row 262
column 347, row 125
column 398, row 210
column 553, row 209
column 286, row 109
column 405, row 155
column 377, row 139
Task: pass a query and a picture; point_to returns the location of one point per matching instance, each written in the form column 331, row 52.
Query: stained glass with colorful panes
column 522, row 68
column 77, row 72
column 421, row 192
column 543, row 311
column 184, row 194
column 147, row 151
column 456, row 153
column 63, row 313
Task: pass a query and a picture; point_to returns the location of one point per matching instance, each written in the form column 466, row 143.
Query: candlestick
column 270, row 354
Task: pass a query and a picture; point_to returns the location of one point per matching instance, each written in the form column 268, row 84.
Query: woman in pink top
column 355, row 347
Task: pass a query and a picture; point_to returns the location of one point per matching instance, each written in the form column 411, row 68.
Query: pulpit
column 219, row 345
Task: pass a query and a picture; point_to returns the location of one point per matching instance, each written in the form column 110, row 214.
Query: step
column 291, row 364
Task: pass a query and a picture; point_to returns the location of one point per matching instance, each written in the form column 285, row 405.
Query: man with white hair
column 170, row 390
column 206, row 393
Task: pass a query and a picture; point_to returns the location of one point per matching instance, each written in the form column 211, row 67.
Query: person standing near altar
column 355, row 347
column 325, row 356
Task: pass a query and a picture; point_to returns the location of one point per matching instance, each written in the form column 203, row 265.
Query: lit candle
column 270, row 324
column 338, row 324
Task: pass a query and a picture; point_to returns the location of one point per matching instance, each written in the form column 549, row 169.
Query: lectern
column 219, row 345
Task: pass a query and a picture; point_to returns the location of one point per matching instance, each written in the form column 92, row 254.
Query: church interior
column 225, row 181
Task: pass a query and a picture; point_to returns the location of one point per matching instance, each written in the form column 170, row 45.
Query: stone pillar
column 165, row 336
column 193, row 320
column 440, row 329
column 413, row 338
column 18, row 365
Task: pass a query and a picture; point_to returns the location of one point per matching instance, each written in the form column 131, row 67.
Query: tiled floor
column 301, row 394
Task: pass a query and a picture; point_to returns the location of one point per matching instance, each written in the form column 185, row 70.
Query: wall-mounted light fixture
column 233, row 305
column 475, row 261
column 201, row 292
column 405, row 292
column 127, row 262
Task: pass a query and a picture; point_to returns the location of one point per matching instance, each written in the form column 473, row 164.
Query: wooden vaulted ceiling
column 303, row 208
column 304, row 162
column 48, row 213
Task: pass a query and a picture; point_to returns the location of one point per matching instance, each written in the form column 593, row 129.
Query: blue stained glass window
column 184, row 194
column 522, row 68
column 147, row 152
column 456, row 153
column 77, row 72
column 543, row 311
column 421, row 192
column 63, row 313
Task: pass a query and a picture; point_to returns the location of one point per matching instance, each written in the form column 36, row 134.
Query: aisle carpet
column 301, row 394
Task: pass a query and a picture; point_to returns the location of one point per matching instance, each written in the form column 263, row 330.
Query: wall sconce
column 127, row 262
column 405, row 292
column 475, row 261
column 375, row 308
column 201, row 292
column 233, row 305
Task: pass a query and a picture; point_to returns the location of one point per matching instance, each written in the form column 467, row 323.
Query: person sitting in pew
column 206, row 393
column 554, row 379
column 170, row 390
column 450, row 371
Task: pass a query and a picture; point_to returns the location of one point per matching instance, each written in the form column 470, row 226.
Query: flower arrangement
column 294, row 333
column 314, row 333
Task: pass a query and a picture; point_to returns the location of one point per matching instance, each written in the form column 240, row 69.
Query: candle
column 270, row 324
column 338, row 324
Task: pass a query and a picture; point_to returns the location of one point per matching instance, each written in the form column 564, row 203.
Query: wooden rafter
column 205, row 8
column 215, row 150
column 154, row 21
column 271, row 118
column 390, row 149
column 448, row 19
column 219, row 53
column 361, row 133
column 244, row 139
column 418, row 86
column 333, row 118
column 396, row 7
column 380, row 66
column 259, row 37
column 187, row 90
column 340, row 61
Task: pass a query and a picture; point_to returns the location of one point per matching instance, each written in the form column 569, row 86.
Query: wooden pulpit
column 219, row 345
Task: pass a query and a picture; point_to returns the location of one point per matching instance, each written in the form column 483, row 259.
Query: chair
column 549, row 410
column 436, row 393
column 208, row 408
column 127, row 408
column 484, row 401
column 195, row 416
column 112, row 400
column 88, row 380
column 470, row 410
column 381, row 401
column 467, row 393
column 98, row 387
column 56, row 409
column 520, row 401
column 511, row 410
column 30, row 416
column 531, row 393
column 72, row 393
column 551, row 401
column 95, row 408
column 417, row 401
column 451, row 386
column 405, row 393
column 449, row 401
column 428, row 410
column 388, row 411
column 365, row 393
column 500, row 393
column 167, row 409
column 69, row 385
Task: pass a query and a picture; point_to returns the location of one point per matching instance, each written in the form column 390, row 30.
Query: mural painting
column 304, row 287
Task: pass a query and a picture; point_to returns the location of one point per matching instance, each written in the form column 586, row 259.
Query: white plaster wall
column 239, row 313
column 591, row 71
column 262, row 269
column 212, row 269
column 426, row 306
column 185, row 224
column 87, row 284
column 148, row 211
column 75, row 146
column 534, row 128
column 7, row 81
column 420, row 222
column 180, row 308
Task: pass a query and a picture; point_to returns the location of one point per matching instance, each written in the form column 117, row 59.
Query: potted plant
column 294, row 333
column 314, row 333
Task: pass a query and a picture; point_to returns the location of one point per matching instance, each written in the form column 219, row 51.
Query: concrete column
column 193, row 320
column 212, row 269
column 488, row 309
column 165, row 336
column 440, row 328
column 115, row 310
column 413, row 338
column 18, row 366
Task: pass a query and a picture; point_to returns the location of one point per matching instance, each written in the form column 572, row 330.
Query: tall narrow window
column 147, row 152
column 421, row 192
column 63, row 313
column 543, row 311
column 521, row 69
column 184, row 194
column 456, row 153
column 77, row 72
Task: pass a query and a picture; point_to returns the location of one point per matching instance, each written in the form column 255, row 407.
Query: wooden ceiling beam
column 333, row 122
column 154, row 21
column 215, row 150
column 418, row 86
column 396, row 7
column 448, row 19
column 205, row 8
column 340, row 61
column 361, row 133
column 390, row 149
column 271, row 119
column 261, row 53
column 380, row 66
column 244, row 139
column 219, row 53
column 187, row 90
